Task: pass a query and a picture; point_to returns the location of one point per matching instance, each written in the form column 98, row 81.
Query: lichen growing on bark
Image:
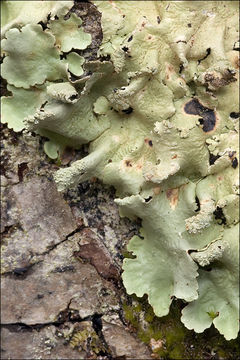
column 159, row 109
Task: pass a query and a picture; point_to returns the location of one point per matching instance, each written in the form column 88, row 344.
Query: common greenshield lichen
column 159, row 109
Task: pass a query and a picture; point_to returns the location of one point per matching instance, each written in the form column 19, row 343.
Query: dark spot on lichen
column 209, row 124
column 128, row 163
column 189, row 25
column 219, row 216
column 234, row 115
column 148, row 142
column 208, row 116
column 158, row 19
column 130, row 38
column 148, row 199
column 235, row 163
column 194, row 107
column 125, row 48
column 217, row 81
column 110, row 160
column 128, row 110
column 213, row 158
column 231, row 154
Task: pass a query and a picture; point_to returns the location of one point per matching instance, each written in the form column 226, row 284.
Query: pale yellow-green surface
column 159, row 109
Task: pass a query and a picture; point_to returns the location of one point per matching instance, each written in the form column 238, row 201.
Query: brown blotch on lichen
column 236, row 62
column 157, row 190
column 172, row 196
column 169, row 71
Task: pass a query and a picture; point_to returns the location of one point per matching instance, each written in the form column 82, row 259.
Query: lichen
column 158, row 109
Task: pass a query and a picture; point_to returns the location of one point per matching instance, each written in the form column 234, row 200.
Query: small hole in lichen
column 44, row 26
column 213, row 158
column 207, row 268
column 73, row 97
column 181, row 68
column 128, row 110
column 234, row 115
column 197, row 203
column 219, row 216
column 235, row 163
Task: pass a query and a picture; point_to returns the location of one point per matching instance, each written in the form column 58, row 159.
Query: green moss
column 175, row 341
column 87, row 340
